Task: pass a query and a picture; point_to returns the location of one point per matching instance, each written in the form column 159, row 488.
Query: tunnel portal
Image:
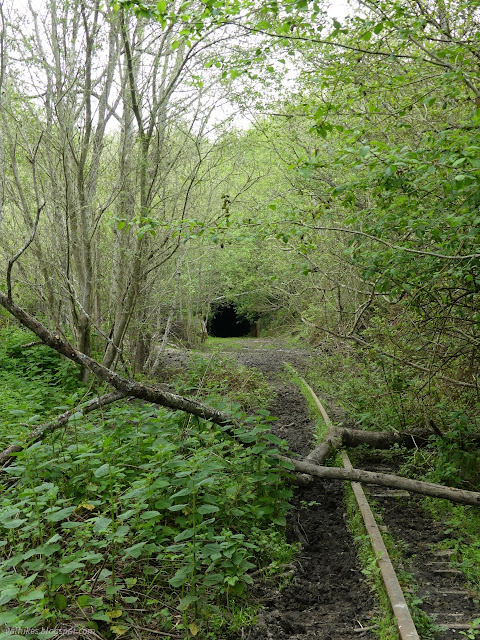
column 225, row 322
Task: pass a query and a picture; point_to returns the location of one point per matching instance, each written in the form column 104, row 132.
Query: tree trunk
column 130, row 387
column 387, row 480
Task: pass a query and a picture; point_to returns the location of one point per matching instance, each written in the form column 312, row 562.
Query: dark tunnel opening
column 225, row 322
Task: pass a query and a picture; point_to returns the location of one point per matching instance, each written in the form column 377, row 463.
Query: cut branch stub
column 334, row 438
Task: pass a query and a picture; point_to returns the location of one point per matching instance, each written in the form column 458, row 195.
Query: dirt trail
column 327, row 598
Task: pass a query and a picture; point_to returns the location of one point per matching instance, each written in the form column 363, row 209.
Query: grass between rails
column 384, row 623
column 321, row 428
column 136, row 518
column 375, row 396
column 463, row 523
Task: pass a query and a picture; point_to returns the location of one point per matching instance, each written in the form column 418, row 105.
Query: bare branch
column 22, row 250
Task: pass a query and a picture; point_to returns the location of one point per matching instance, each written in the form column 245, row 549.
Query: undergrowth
column 462, row 525
column 136, row 519
column 386, row 627
column 378, row 394
column 375, row 396
column 35, row 383
column 213, row 373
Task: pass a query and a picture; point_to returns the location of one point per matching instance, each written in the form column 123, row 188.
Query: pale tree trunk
column 140, row 176
column 72, row 69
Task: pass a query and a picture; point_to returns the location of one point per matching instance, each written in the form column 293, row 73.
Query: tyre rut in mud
column 327, row 598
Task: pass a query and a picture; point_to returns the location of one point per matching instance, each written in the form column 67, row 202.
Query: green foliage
column 474, row 630
column 36, row 383
column 360, row 386
column 222, row 375
column 463, row 523
column 37, row 362
column 453, row 458
column 137, row 511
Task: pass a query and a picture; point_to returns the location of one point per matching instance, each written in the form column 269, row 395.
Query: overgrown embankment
column 136, row 517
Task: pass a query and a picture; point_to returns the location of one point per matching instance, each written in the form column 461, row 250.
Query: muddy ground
column 327, row 598
column 439, row 588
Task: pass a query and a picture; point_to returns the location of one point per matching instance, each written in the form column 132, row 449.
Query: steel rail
column 405, row 624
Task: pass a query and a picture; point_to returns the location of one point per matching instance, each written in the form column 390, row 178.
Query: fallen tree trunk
column 342, row 437
column 384, row 439
column 338, row 437
column 461, row 496
column 129, row 387
column 48, row 427
column 173, row 401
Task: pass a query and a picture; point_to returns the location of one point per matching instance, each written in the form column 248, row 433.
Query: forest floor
column 328, row 597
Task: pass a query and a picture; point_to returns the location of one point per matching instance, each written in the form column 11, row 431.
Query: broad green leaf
column 101, row 524
column 184, row 535
column 149, row 515
column 212, row 579
column 207, row 508
column 135, row 551
column 13, row 524
column 61, row 514
column 61, row 602
column 31, row 596
column 186, row 601
column 71, row 566
column 102, row 471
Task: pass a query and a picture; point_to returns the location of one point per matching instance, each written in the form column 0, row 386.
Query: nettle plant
column 143, row 510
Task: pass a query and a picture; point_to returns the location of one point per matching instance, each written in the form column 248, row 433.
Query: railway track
column 440, row 586
column 327, row 597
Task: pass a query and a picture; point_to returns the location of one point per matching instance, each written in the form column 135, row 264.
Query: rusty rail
column 405, row 623
column 398, row 603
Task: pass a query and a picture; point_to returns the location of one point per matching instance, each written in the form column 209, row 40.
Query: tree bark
column 130, row 387
column 387, row 480
column 334, row 438
column 175, row 402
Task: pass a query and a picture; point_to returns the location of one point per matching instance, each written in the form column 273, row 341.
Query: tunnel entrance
column 225, row 322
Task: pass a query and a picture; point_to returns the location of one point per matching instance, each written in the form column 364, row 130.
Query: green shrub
column 138, row 511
